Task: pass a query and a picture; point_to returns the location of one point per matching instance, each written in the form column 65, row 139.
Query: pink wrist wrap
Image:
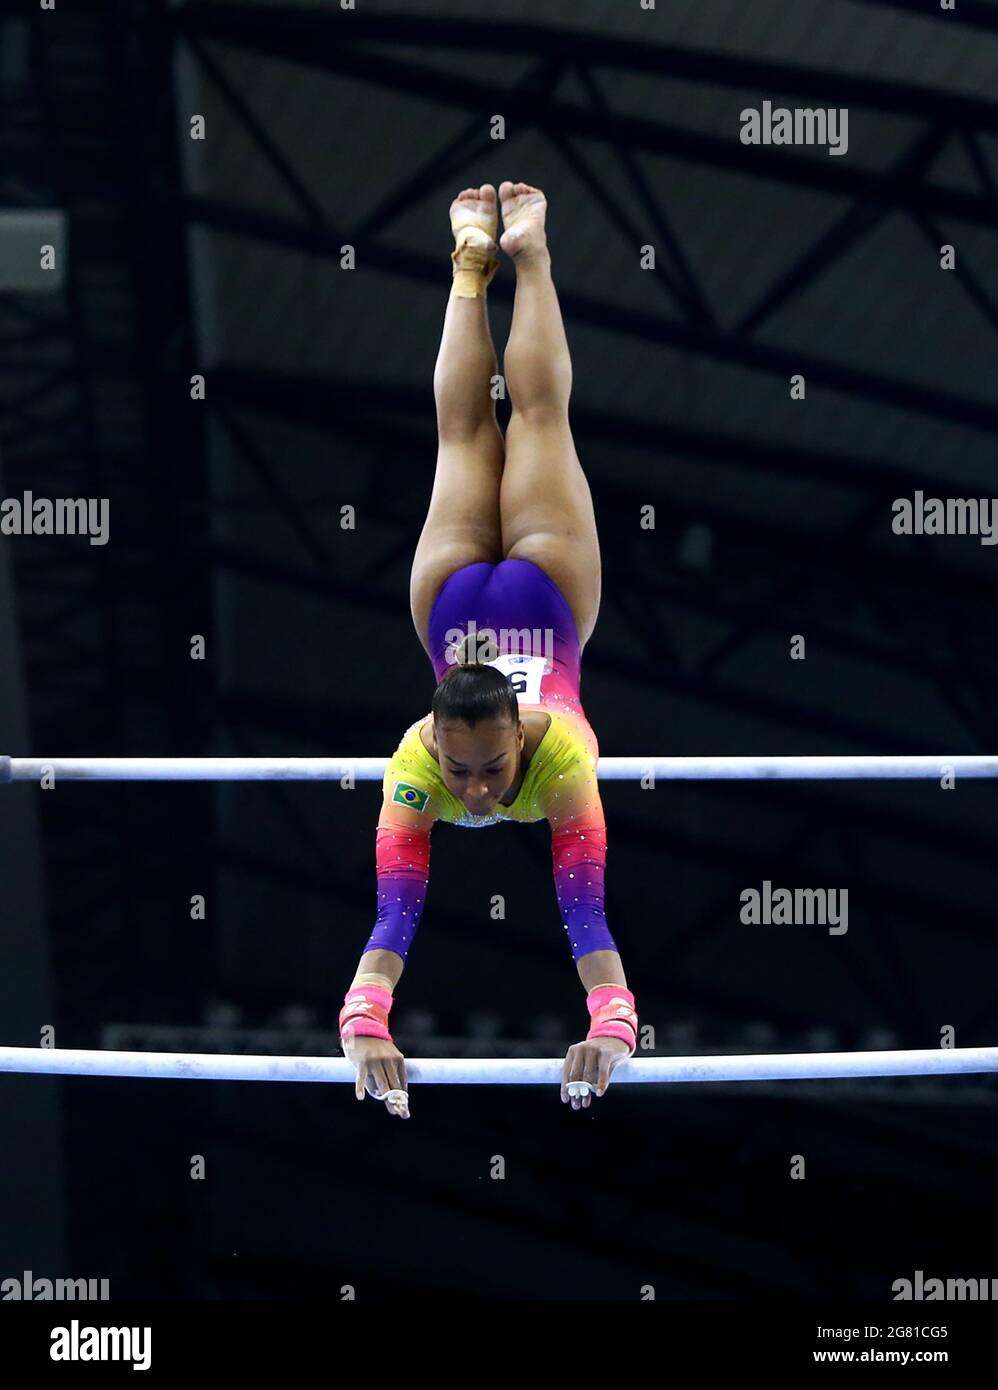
column 365, row 1013
column 611, row 1008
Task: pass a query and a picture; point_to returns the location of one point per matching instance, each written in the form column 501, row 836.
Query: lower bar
column 874, row 766
column 789, row 1066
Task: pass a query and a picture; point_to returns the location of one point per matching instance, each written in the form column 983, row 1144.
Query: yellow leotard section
column 563, row 765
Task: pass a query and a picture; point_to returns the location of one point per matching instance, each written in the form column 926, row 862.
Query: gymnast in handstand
column 505, row 592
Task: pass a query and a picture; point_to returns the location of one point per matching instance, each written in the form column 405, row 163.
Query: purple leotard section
column 514, row 595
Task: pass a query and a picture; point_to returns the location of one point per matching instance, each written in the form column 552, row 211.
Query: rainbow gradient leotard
column 560, row 783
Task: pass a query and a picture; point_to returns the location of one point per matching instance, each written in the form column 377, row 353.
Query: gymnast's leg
column 462, row 525
column 545, row 504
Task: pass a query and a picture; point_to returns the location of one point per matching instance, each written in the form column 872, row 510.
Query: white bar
column 790, row 1066
column 192, row 769
column 867, row 766
column 874, row 766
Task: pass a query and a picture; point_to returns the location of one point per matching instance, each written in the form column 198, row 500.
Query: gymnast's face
column 479, row 765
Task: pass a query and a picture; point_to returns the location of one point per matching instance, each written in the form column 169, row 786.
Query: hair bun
column 476, row 649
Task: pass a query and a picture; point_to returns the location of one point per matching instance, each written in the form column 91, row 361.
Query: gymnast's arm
column 578, row 853
column 578, row 846
column 403, row 866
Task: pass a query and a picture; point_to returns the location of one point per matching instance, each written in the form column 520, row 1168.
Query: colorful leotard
column 512, row 597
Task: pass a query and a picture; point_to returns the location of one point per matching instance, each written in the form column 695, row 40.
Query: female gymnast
column 505, row 592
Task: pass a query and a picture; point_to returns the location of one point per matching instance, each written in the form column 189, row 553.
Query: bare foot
column 523, row 211
column 474, row 210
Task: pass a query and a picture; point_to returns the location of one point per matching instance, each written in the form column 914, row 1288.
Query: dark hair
column 471, row 691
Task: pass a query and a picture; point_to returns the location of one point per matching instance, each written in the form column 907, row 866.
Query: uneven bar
column 872, row 767
column 489, row 1071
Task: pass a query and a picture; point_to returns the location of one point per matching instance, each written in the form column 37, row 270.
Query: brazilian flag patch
column 407, row 795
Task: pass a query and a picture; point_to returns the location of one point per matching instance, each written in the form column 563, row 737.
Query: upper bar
column 793, row 769
column 789, row 1066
